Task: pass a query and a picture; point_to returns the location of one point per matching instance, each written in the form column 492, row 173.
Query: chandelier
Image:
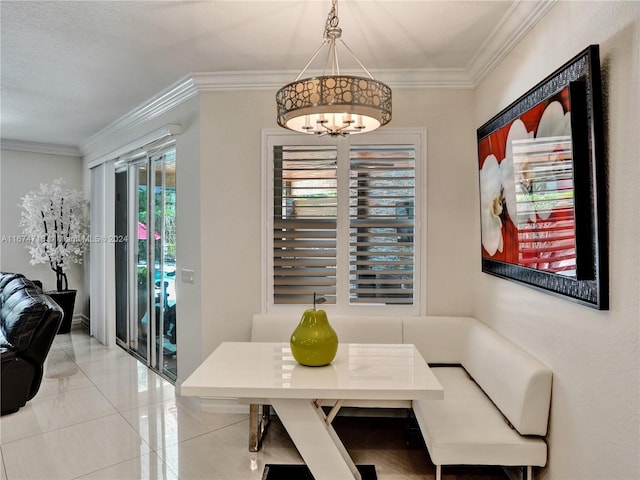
column 334, row 104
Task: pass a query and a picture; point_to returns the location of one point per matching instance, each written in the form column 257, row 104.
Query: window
column 343, row 220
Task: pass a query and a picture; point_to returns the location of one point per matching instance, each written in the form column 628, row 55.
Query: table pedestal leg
column 316, row 440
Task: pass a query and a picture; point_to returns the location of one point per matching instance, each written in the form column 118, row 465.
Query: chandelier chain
column 332, row 19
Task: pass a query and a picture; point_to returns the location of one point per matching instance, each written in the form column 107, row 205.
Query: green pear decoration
column 314, row 342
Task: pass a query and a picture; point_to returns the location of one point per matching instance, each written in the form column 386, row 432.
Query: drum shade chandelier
column 334, row 104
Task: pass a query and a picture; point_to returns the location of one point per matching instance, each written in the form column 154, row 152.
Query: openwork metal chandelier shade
column 334, row 104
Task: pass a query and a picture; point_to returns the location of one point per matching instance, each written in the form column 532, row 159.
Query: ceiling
column 69, row 69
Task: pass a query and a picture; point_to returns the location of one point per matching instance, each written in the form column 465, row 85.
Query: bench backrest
column 438, row 339
column 350, row 329
column 517, row 383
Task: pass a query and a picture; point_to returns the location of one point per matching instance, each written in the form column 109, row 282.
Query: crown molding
column 46, row 148
column 426, row 78
column 273, row 80
column 518, row 21
column 164, row 101
column 247, row 80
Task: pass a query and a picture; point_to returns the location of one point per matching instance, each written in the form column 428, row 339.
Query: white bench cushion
column 518, row 383
column 438, row 339
column 466, row 428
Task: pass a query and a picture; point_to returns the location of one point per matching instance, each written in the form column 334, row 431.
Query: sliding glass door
column 146, row 263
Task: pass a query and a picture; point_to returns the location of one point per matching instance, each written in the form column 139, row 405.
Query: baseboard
column 81, row 319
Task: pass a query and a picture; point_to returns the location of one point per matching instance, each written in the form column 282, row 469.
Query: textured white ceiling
column 71, row 68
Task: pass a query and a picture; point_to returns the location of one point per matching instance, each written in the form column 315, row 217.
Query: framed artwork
column 543, row 189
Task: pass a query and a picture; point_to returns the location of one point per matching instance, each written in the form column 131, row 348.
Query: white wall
column 230, row 187
column 22, row 172
column 451, row 192
column 595, row 425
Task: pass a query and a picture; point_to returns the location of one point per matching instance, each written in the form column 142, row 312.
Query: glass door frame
column 151, row 353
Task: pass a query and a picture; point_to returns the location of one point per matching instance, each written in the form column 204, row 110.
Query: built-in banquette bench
column 496, row 396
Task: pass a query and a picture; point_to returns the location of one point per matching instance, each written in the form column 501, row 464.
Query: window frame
column 386, row 136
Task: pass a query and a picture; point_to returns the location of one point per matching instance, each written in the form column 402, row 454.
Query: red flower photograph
column 526, row 189
column 542, row 185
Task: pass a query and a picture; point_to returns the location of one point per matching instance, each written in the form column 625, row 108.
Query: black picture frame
column 560, row 187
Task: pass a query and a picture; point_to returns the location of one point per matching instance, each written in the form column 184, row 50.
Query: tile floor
column 101, row 414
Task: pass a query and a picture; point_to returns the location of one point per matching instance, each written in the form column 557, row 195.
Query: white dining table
column 267, row 373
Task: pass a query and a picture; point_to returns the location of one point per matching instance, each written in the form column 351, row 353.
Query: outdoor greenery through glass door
column 145, row 265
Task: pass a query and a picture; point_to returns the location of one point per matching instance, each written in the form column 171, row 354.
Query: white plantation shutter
column 381, row 224
column 344, row 218
column 304, row 223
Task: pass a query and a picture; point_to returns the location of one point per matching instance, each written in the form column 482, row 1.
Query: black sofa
column 29, row 321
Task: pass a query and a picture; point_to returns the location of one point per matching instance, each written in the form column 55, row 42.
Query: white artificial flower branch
column 56, row 225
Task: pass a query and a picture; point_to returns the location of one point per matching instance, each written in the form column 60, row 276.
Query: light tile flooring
column 101, row 414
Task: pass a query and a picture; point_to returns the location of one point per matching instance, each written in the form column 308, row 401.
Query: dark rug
column 301, row 472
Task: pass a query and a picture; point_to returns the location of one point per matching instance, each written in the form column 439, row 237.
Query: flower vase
column 314, row 342
column 66, row 300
